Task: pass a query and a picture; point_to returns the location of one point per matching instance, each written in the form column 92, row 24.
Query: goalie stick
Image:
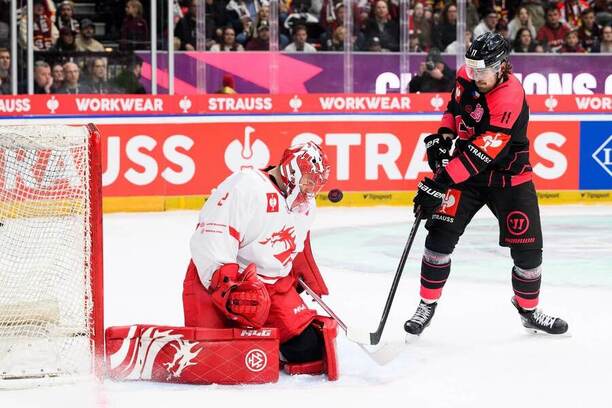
column 381, row 356
column 373, row 338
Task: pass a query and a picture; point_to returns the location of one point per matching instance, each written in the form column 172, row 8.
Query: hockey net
column 51, row 323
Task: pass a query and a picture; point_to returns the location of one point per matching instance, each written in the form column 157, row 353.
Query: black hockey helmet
column 491, row 48
column 488, row 51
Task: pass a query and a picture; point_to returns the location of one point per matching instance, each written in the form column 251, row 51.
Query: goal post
column 51, row 281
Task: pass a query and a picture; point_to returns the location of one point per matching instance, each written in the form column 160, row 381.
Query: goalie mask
column 304, row 170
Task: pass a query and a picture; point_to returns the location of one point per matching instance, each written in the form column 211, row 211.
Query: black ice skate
column 537, row 321
column 421, row 318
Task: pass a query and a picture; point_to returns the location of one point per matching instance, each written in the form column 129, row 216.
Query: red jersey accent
column 457, row 171
column 505, row 103
column 234, row 233
column 492, row 143
column 449, row 204
column 272, row 202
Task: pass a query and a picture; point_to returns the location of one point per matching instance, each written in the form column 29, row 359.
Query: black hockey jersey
column 491, row 148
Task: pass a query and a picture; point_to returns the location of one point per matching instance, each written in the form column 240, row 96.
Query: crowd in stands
column 72, row 39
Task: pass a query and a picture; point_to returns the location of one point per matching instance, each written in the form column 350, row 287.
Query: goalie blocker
column 195, row 355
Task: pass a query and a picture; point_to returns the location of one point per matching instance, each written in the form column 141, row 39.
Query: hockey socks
column 435, row 268
column 526, row 287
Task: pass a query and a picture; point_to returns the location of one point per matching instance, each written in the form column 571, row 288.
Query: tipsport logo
column 603, row 155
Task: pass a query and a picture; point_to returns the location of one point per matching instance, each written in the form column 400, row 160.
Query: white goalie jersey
column 247, row 220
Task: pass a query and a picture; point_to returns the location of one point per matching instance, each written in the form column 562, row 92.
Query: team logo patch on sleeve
column 492, row 143
column 272, row 202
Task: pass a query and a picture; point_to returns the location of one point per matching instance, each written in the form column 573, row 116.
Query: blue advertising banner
column 596, row 155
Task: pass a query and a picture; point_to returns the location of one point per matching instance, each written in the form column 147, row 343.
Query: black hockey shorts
column 516, row 209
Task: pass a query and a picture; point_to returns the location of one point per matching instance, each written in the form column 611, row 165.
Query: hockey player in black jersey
column 487, row 117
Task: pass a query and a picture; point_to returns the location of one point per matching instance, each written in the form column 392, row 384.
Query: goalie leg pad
column 328, row 330
column 192, row 355
column 288, row 312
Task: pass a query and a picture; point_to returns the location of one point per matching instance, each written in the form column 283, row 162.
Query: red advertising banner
column 191, row 159
column 131, row 105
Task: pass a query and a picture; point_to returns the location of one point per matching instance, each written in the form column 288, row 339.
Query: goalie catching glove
column 242, row 297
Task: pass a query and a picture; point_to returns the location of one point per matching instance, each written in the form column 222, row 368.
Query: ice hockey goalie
column 244, row 316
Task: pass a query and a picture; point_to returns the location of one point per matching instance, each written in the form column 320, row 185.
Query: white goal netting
column 46, row 292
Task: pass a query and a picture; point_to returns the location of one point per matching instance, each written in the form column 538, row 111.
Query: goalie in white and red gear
column 251, row 243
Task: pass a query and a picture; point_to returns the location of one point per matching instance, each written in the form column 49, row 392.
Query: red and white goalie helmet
column 304, row 169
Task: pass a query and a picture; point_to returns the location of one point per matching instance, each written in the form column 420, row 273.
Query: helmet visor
column 477, row 70
column 312, row 183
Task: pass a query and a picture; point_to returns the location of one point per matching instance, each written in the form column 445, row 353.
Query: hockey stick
column 374, row 337
column 381, row 356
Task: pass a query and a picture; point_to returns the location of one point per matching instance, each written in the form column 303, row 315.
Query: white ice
column 475, row 353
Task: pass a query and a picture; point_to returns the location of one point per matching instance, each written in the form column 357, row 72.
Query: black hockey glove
column 429, row 196
column 438, row 150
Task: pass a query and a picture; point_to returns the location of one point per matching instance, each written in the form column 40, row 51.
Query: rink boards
column 166, row 162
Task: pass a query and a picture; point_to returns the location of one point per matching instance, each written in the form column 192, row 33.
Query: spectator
column 248, row 30
column 335, row 20
column 571, row 43
column 185, row 29
column 329, row 18
column 5, row 29
column 571, row 10
column 134, row 30
column 605, row 45
column 128, row 81
column 373, row 45
column 238, row 8
column 435, row 75
column 502, row 29
column 299, row 43
column 228, row 41
column 522, row 19
column 45, row 33
column 58, row 77
column 228, row 86
column 445, row 32
column 72, row 84
column 589, row 31
column 216, row 19
column 524, row 41
column 336, row 42
column 262, row 41
column 43, row 81
column 99, row 76
column 603, row 12
column 414, row 44
column 487, row 24
column 472, row 17
column 554, row 31
column 383, row 27
column 536, row 12
column 453, row 47
column 66, row 20
column 421, row 26
column 84, row 40
column 66, row 42
column 5, row 72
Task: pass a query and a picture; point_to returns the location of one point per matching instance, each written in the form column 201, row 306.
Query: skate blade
column 536, row 332
column 411, row 338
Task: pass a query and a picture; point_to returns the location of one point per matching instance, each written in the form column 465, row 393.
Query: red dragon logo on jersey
column 286, row 238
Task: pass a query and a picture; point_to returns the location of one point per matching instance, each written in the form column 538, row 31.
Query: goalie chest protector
column 192, row 355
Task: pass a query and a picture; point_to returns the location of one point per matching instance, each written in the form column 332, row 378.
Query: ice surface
column 475, row 353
